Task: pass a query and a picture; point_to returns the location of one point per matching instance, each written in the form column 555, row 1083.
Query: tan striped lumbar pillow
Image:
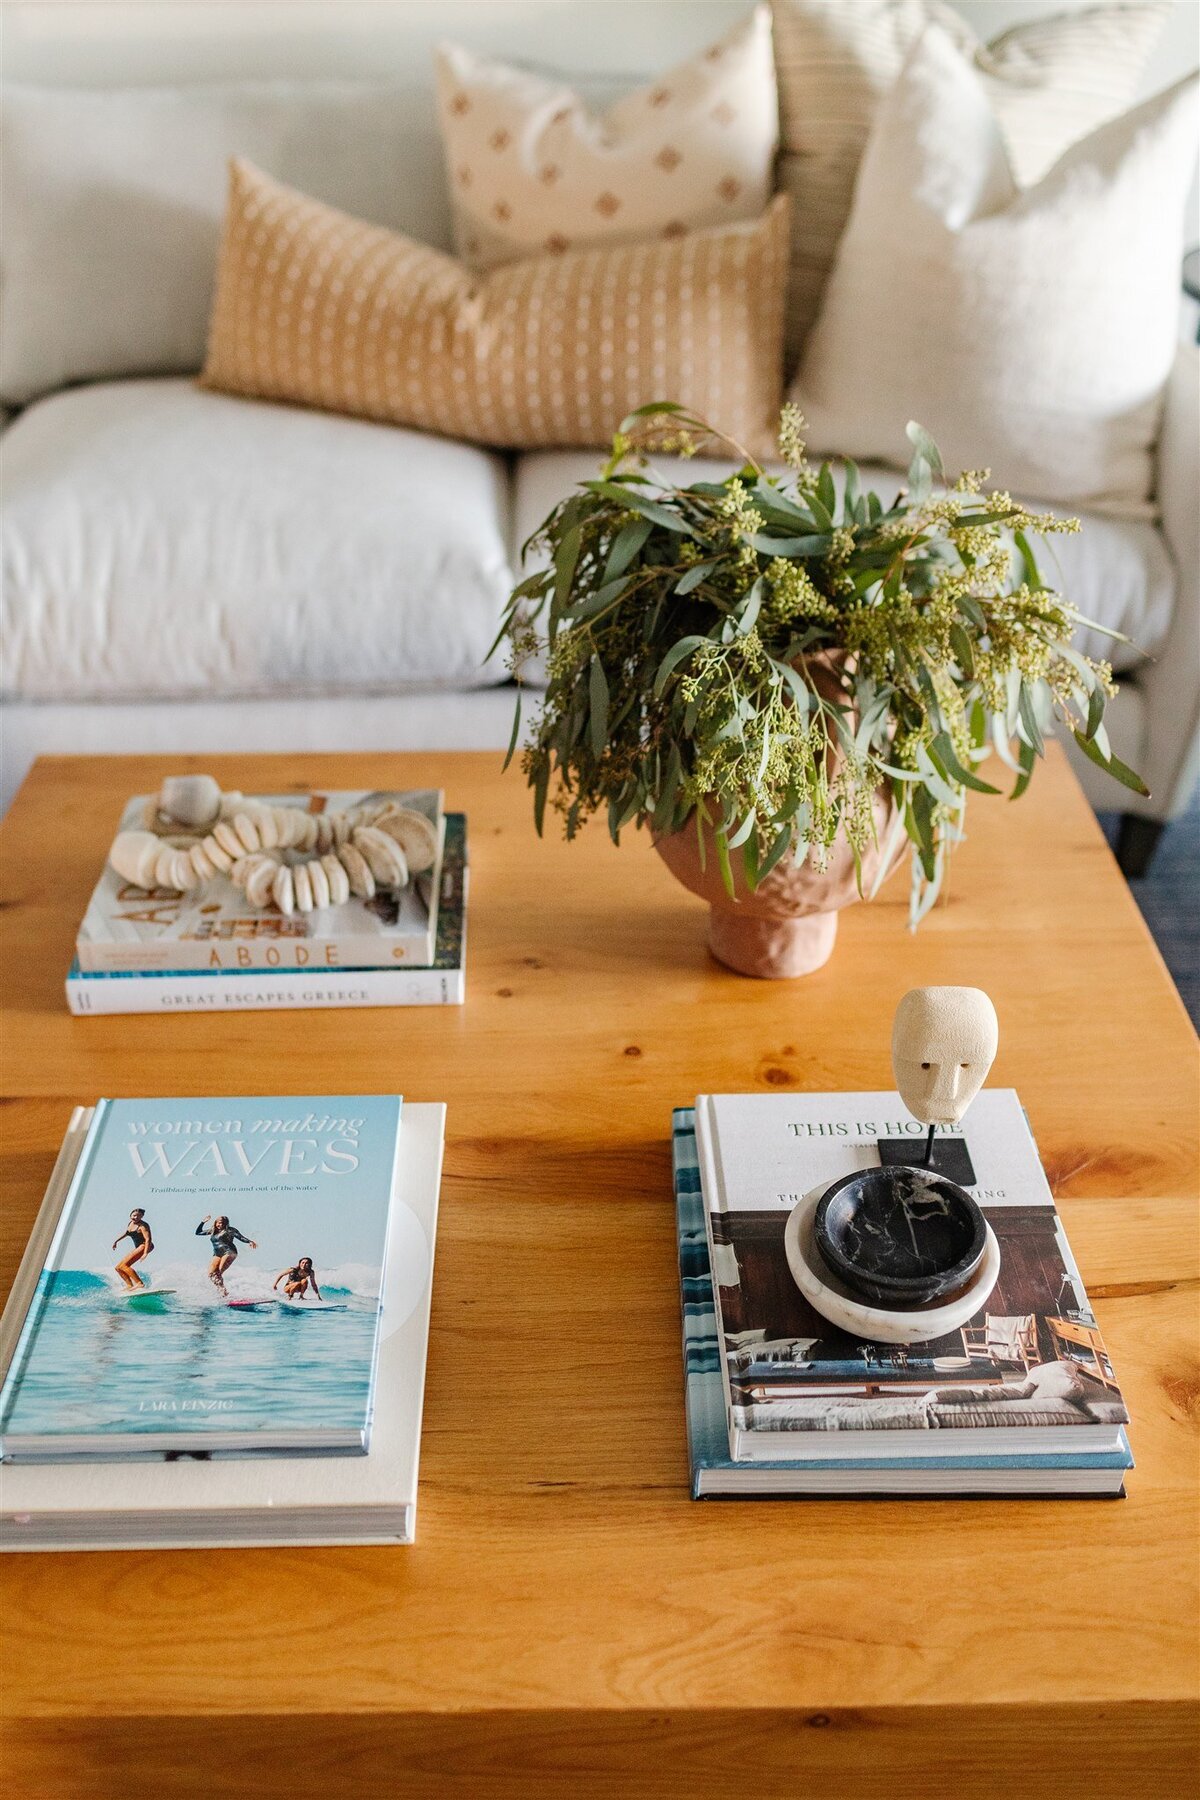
column 324, row 310
column 1050, row 81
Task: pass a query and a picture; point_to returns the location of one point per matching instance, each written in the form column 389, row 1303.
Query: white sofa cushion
column 112, row 204
column 1029, row 330
column 162, row 542
column 1117, row 571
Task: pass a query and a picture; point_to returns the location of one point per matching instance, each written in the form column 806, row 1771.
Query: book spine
column 258, row 990
column 24, row 1287
column 269, row 955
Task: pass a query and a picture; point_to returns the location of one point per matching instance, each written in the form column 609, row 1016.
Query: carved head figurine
column 943, row 1044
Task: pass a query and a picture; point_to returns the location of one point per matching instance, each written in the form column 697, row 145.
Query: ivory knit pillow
column 1050, row 81
column 1030, row 331
column 324, row 310
column 531, row 170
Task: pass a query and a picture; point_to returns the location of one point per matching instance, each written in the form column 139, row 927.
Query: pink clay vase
column 788, row 925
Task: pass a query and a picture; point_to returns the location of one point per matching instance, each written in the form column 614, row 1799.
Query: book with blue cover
column 875, row 1469
column 212, row 1286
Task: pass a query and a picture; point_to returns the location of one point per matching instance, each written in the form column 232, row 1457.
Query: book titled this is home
column 1028, row 1380
column 212, row 1286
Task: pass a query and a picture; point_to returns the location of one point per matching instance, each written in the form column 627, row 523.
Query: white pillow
column 164, row 543
column 112, row 204
column 1050, row 80
column 1031, row 331
column 531, row 170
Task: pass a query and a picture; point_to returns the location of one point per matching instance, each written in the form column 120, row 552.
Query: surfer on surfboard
column 299, row 1279
column 225, row 1239
column 138, row 1229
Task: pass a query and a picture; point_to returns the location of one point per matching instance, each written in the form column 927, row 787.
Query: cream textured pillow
column 1050, row 82
column 531, row 170
column 1030, row 331
column 324, row 310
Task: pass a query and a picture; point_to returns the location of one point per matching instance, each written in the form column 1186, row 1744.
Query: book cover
column 215, row 927
column 213, row 1283
column 1031, row 1364
column 226, row 1502
column 441, row 983
column 715, row 1475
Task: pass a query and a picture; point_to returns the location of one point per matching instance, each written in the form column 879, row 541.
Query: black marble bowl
column 900, row 1236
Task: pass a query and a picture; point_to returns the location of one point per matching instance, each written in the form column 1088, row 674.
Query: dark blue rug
column 1169, row 897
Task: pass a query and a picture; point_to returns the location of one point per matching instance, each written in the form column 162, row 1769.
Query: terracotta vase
column 788, row 925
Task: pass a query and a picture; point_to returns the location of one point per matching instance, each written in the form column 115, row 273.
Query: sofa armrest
column 1171, row 683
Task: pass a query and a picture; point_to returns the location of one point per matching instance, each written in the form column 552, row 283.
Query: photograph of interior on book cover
column 213, row 1284
column 1032, row 1359
column 214, row 926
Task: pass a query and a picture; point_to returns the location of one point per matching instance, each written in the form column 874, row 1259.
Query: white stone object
column 302, row 887
column 283, row 891
column 384, row 856
column 318, row 880
column 134, row 855
column 415, row 835
column 944, row 1042
column 339, row 881
column 193, row 800
column 362, row 882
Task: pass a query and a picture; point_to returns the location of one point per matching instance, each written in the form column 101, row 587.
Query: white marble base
column 877, row 1324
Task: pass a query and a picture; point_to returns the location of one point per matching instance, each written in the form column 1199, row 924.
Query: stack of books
column 217, row 1335
column 211, row 951
column 1022, row 1400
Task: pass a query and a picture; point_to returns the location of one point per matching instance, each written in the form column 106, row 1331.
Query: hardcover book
column 442, row 983
column 224, row 1502
column 215, row 927
column 1029, row 1372
column 714, row 1473
column 212, row 1285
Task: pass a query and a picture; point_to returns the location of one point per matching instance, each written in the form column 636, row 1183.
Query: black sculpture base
column 900, row 1235
column 950, row 1157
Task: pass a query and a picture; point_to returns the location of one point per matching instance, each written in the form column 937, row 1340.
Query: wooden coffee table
column 569, row 1622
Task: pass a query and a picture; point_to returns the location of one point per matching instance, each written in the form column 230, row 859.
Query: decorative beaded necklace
column 284, row 856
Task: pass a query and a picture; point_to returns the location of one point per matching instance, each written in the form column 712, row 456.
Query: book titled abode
column 292, row 988
column 212, row 1285
column 214, row 926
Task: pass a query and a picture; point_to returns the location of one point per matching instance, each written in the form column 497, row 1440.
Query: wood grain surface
column 569, row 1622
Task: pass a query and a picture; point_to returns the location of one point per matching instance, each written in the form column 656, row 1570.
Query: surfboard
column 312, row 1306
column 246, row 1305
column 147, row 1298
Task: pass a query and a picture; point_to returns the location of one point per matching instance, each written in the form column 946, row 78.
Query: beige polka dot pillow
column 321, row 309
column 531, row 170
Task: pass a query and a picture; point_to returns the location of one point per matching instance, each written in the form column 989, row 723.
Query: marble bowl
column 877, row 1324
column 903, row 1236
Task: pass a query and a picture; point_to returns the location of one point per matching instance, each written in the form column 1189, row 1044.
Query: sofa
column 188, row 571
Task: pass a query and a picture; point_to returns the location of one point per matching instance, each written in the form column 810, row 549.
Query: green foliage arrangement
column 756, row 657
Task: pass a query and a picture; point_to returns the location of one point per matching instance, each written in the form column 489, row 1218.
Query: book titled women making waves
column 212, row 1286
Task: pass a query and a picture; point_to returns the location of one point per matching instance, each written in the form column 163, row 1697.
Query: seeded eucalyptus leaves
column 754, row 658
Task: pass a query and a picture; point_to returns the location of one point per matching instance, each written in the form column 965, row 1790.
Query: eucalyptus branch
column 754, row 659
